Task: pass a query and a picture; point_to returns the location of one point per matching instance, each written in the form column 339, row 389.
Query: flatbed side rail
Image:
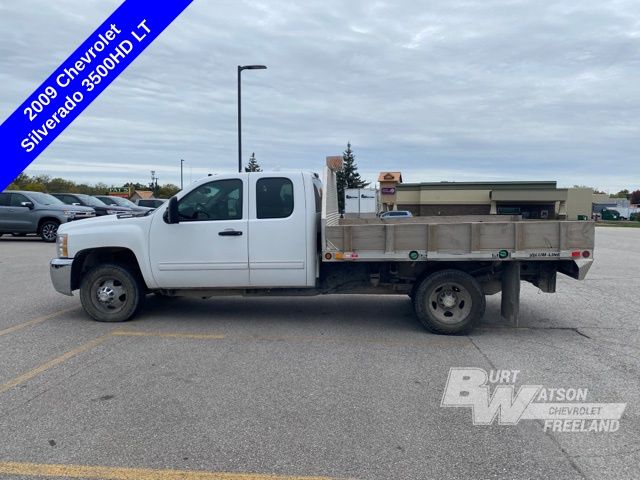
column 499, row 240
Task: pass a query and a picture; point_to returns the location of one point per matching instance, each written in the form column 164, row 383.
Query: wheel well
column 87, row 259
column 45, row 219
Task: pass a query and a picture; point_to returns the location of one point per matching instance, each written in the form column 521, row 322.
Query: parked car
column 610, row 214
column 124, row 202
column 101, row 208
column 396, row 214
column 150, row 202
column 22, row 213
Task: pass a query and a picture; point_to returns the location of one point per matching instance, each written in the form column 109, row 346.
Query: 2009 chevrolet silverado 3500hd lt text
column 281, row 234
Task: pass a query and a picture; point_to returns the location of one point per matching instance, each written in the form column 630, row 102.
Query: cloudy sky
column 439, row 89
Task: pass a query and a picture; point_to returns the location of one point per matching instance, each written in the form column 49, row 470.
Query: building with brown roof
column 388, row 187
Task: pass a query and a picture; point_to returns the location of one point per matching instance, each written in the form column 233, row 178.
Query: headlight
column 113, row 212
column 69, row 213
column 62, row 245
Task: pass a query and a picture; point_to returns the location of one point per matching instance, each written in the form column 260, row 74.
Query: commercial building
column 532, row 200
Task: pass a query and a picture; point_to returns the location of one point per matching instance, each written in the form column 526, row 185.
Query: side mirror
column 29, row 205
column 172, row 216
column 76, row 204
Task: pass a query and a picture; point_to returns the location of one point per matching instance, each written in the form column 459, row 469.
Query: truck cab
column 238, row 230
column 229, row 231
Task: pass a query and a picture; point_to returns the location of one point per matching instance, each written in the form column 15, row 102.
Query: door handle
column 230, row 233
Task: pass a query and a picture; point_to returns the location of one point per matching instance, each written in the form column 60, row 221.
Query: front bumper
column 60, row 271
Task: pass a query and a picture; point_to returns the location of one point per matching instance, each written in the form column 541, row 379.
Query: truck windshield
column 45, row 199
column 123, row 202
column 89, row 200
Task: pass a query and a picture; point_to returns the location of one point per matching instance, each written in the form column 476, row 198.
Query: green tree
column 167, row 190
column 60, row 185
column 22, row 180
column 135, row 186
column 35, row 187
column 348, row 177
column 621, row 194
column 253, row 165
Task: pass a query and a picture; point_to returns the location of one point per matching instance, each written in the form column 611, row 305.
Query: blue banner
column 80, row 79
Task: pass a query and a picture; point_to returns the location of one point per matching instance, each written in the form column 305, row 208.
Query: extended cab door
column 23, row 219
column 208, row 248
column 277, row 230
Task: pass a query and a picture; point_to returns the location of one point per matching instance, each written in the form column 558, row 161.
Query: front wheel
column 111, row 293
column 449, row 302
column 49, row 230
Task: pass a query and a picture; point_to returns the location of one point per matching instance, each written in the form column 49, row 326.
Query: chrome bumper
column 60, row 270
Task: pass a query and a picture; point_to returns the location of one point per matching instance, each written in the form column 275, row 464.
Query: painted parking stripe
column 192, row 336
column 115, row 473
column 53, row 363
column 35, row 321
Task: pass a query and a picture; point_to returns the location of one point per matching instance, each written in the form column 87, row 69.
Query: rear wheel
column 49, row 230
column 111, row 293
column 449, row 302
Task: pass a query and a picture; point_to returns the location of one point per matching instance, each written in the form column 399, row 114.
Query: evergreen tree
column 348, row 177
column 253, row 165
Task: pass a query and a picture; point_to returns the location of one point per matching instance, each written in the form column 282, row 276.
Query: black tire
column 449, row 302
column 49, row 230
column 111, row 293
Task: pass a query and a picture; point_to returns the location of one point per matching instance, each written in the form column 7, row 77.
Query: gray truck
column 22, row 213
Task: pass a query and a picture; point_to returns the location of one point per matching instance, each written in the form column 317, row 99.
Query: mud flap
column 510, row 307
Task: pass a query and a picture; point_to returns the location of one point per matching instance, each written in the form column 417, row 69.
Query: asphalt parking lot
column 297, row 388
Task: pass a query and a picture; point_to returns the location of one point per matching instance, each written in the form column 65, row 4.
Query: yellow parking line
column 194, row 336
column 115, row 473
column 52, row 363
column 35, row 321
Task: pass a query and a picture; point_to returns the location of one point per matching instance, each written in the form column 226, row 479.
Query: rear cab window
column 274, row 198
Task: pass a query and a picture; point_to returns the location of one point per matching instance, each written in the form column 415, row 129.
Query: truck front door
column 209, row 247
column 277, row 230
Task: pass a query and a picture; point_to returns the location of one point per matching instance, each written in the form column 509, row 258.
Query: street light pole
column 181, row 175
column 240, row 69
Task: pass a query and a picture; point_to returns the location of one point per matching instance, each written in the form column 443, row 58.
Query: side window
column 219, row 200
column 4, row 199
column 68, row 199
column 274, row 198
column 17, row 199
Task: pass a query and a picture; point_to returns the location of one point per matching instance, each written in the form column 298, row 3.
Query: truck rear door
column 277, row 230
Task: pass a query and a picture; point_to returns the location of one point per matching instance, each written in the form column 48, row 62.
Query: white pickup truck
column 280, row 233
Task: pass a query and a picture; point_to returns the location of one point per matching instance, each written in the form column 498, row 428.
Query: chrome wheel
column 109, row 294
